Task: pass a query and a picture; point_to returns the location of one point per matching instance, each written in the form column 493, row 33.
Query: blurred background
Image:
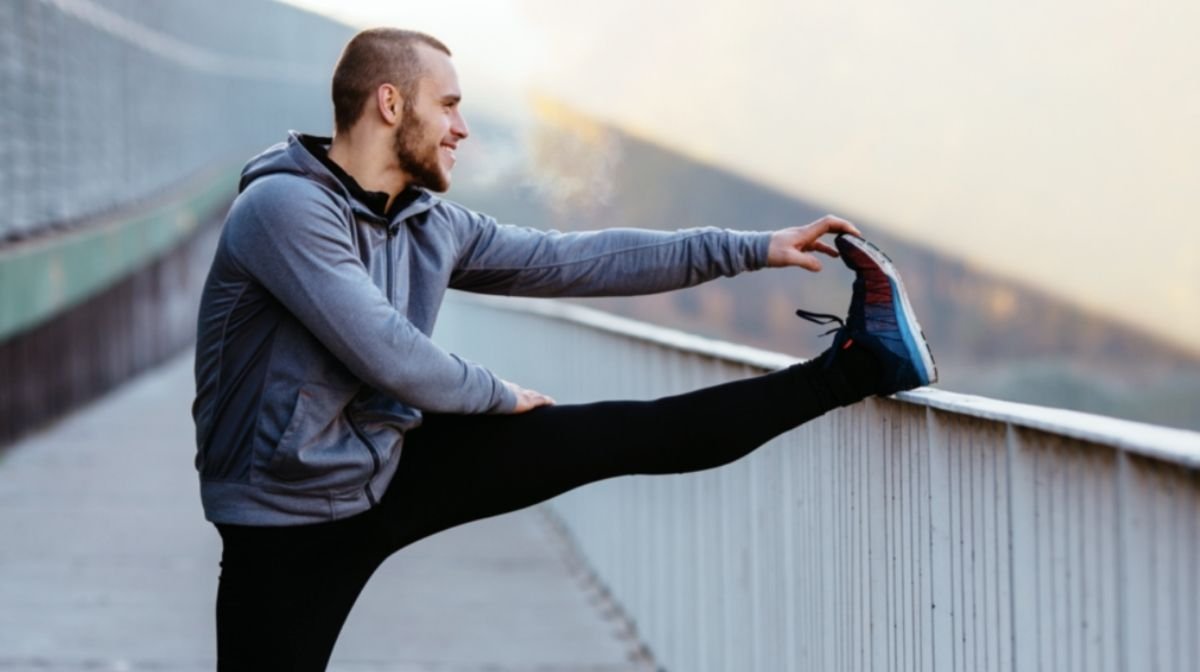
column 1031, row 167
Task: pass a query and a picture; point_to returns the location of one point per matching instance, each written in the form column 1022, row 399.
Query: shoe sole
column 910, row 329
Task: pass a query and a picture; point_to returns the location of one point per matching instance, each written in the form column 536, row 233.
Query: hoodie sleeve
column 297, row 246
column 504, row 259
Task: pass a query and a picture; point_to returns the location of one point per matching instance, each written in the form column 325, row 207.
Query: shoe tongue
column 862, row 369
column 857, row 315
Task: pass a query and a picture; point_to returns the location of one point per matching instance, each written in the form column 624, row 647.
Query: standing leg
column 286, row 591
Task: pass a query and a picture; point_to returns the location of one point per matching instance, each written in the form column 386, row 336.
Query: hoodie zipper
column 391, row 233
column 375, row 462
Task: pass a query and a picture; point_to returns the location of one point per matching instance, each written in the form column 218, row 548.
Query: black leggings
column 286, row 591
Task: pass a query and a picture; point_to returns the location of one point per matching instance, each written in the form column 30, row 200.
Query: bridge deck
column 106, row 563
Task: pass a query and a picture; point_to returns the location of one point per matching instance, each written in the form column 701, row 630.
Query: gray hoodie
column 313, row 355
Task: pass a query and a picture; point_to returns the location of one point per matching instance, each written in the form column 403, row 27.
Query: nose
column 459, row 126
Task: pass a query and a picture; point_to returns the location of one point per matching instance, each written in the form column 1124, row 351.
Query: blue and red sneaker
column 881, row 320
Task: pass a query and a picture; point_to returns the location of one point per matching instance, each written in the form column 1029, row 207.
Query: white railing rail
column 930, row 531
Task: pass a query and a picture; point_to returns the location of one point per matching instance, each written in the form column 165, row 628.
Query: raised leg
column 455, row 469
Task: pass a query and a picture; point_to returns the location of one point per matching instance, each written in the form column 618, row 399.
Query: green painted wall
column 42, row 277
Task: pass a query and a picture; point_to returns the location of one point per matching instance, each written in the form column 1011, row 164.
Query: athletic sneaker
column 880, row 319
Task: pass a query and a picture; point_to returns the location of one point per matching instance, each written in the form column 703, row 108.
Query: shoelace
column 821, row 318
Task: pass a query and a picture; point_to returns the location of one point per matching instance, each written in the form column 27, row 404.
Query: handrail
column 925, row 531
column 1168, row 444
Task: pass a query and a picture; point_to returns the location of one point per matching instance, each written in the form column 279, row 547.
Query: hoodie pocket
column 319, row 450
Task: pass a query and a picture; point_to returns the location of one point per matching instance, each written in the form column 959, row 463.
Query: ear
column 390, row 103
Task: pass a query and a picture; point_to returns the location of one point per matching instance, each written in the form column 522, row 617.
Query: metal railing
column 930, row 531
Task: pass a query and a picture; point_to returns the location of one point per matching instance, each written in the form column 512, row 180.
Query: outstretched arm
column 500, row 259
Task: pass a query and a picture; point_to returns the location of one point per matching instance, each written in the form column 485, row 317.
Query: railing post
column 878, row 505
column 1022, row 536
column 941, row 538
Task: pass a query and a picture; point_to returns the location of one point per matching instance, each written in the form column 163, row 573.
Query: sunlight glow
column 1055, row 142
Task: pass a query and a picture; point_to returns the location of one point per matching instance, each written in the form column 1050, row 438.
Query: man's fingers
column 789, row 247
column 808, row 262
column 835, row 224
column 534, row 400
column 528, row 400
column 540, row 399
column 818, row 246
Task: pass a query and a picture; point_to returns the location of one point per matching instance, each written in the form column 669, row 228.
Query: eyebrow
column 451, row 98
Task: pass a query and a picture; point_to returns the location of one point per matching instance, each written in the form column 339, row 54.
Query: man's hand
column 528, row 400
column 792, row 246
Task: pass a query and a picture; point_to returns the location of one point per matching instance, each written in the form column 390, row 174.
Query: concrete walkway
column 106, row 563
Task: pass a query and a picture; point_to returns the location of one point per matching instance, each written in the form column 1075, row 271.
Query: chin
column 443, row 184
column 435, row 182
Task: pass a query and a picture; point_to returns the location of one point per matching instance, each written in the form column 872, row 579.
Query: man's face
column 431, row 126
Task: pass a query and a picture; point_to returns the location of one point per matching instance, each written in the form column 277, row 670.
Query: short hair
column 372, row 58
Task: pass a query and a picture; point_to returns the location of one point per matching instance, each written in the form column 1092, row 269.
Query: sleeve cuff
column 761, row 244
column 508, row 399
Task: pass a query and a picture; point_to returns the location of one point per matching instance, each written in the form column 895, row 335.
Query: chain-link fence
column 106, row 102
column 122, row 123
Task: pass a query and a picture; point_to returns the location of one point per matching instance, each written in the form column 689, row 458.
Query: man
column 332, row 432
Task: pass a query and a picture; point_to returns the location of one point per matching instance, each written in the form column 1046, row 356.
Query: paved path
column 106, row 564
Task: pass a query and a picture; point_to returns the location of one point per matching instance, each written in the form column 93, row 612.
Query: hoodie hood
column 292, row 157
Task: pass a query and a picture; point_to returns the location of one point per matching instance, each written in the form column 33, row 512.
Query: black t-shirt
column 375, row 200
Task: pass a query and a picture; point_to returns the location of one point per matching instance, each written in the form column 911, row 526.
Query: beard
column 418, row 160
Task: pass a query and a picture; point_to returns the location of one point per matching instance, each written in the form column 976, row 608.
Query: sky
column 1056, row 141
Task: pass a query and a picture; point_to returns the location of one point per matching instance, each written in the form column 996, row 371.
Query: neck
column 369, row 160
